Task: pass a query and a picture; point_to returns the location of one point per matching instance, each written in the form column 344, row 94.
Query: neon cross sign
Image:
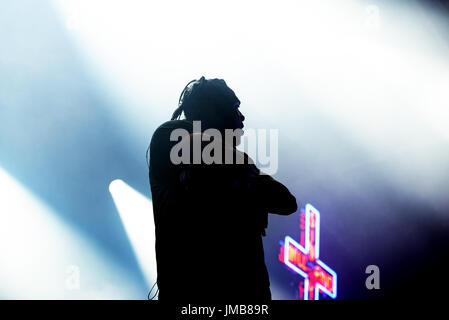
column 303, row 258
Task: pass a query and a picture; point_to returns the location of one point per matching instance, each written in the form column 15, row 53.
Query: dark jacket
column 209, row 222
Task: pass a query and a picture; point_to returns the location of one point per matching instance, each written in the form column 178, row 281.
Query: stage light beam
column 42, row 257
column 136, row 213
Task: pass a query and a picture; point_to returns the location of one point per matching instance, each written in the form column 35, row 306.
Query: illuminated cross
column 303, row 258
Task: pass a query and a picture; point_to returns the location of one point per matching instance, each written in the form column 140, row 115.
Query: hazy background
column 358, row 92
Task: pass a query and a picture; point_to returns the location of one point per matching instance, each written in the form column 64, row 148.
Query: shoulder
column 174, row 124
column 163, row 132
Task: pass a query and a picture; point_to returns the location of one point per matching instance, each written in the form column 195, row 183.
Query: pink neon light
column 303, row 258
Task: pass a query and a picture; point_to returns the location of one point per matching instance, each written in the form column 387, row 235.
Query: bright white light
column 371, row 71
column 136, row 212
column 284, row 51
column 43, row 258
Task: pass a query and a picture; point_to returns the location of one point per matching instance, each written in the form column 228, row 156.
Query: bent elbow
column 292, row 206
column 288, row 207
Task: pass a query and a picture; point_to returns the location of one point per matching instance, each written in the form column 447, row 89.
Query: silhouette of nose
column 242, row 117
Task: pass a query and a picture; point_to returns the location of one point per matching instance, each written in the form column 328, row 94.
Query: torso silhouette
column 209, row 221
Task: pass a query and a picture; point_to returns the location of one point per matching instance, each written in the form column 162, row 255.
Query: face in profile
column 239, row 117
column 229, row 120
column 238, row 123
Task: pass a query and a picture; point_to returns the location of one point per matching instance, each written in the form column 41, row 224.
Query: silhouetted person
column 210, row 218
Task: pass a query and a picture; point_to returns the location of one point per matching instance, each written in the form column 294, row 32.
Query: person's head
column 212, row 102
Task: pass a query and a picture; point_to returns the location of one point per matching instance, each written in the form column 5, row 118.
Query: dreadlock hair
column 199, row 98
